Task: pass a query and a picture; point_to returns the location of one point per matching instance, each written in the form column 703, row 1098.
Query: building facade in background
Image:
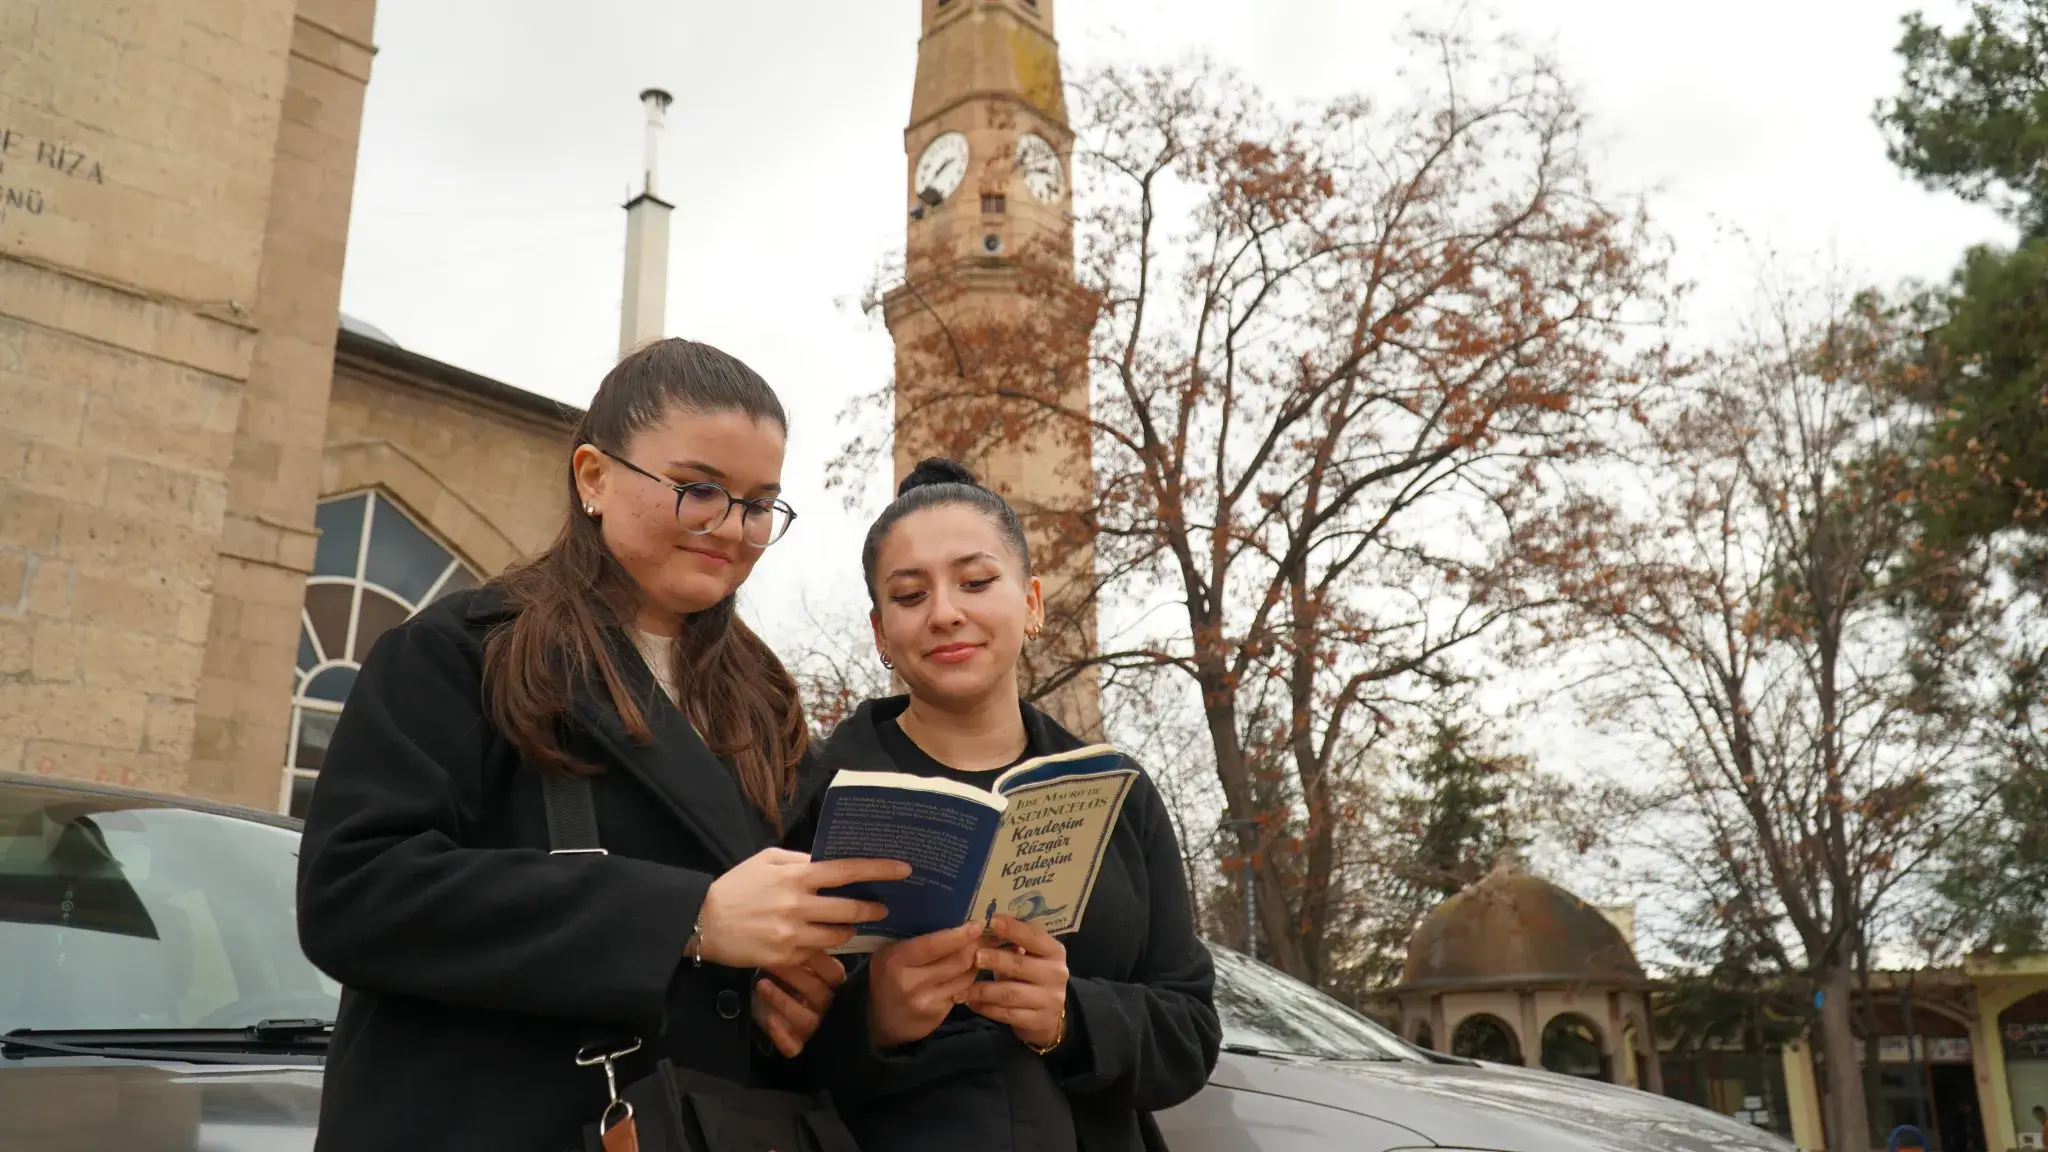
column 1516, row 970
column 184, row 415
column 216, row 491
column 432, row 480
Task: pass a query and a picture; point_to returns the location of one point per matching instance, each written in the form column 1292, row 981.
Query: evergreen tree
column 1457, row 807
column 1971, row 117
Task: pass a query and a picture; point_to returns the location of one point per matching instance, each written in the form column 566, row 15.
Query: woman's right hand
column 913, row 984
column 768, row 912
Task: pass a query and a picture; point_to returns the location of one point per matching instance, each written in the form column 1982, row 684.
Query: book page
column 1049, row 849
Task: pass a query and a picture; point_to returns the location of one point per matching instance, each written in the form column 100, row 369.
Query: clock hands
column 1035, row 159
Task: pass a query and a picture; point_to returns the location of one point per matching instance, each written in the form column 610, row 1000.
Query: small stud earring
column 590, row 510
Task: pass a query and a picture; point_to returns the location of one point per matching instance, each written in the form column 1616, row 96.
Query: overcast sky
column 501, row 139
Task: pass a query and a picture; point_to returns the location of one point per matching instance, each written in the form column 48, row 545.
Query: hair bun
column 936, row 470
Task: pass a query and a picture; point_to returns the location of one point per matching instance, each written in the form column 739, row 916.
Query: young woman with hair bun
column 1076, row 1040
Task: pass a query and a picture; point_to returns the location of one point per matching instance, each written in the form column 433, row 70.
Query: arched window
column 373, row 568
column 1485, row 1038
column 1571, row 1046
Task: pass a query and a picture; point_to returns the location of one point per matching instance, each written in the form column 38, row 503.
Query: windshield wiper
column 301, row 1029
column 251, row 1044
column 14, row 1045
column 1272, row 1053
column 1325, row 1057
column 1435, row 1057
column 1255, row 1050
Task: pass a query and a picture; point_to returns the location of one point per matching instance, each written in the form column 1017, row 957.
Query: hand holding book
column 1029, row 992
column 768, row 909
column 913, row 984
column 1029, row 847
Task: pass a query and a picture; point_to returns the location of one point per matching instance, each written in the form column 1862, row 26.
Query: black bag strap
column 572, row 814
column 572, row 829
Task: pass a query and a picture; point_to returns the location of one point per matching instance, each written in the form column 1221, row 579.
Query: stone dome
column 1514, row 930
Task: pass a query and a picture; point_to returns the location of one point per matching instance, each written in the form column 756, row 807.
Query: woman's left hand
column 789, row 1005
column 1029, row 992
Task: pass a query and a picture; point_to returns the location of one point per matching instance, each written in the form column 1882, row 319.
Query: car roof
column 11, row 781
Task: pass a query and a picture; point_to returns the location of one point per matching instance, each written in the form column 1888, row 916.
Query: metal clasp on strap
column 578, row 852
column 618, row 1110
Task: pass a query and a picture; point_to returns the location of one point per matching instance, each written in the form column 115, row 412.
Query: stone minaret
column 989, row 269
column 645, row 299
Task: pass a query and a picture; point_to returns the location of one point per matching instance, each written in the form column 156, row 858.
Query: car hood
column 92, row 1105
column 1497, row 1107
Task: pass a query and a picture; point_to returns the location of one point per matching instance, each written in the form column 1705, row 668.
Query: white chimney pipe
column 645, row 298
column 656, row 102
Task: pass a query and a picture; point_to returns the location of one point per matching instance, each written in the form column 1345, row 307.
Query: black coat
column 473, row 962
column 1142, row 1033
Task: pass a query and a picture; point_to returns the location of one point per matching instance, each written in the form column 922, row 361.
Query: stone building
column 215, row 491
column 1516, row 970
column 184, row 415
column 431, row 478
column 1962, row 1054
column 177, row 201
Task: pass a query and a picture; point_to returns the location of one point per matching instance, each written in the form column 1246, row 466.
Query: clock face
column 943, row 165
column 1040, row 167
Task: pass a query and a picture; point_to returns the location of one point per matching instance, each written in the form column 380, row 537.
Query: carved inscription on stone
column 33, row 171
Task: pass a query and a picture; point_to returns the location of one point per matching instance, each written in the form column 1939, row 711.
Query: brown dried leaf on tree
column 1336, row 369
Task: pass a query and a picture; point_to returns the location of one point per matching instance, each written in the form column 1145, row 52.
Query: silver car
column 1301, row 1072
column 153, row 997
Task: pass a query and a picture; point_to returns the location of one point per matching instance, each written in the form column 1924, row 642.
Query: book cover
column 1029, row 848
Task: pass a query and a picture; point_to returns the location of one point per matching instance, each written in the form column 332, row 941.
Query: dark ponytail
column 935, row 482
column 572, row 601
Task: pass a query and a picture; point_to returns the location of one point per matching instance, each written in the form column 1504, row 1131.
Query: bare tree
column 1806, row 737
column 835, row 666
column 1336, row 368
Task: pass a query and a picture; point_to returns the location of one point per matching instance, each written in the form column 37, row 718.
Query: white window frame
column 322, row 661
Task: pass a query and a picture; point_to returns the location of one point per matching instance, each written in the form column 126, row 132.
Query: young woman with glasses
column 475, row 961
column 1077, row 1039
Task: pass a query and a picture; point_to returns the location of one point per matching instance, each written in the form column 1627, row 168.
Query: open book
column 1030, row 848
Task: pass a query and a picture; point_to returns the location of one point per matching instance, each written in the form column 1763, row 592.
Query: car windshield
column 125, row 913
column 1266, row 1010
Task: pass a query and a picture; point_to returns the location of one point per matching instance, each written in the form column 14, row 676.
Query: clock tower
column 990, row 328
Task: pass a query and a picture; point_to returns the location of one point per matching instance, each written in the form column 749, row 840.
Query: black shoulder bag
column 677, row 1109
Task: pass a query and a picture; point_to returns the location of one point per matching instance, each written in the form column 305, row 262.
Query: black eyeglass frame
column 682, row 490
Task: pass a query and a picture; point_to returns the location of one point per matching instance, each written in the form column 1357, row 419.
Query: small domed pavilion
column 1517, row 970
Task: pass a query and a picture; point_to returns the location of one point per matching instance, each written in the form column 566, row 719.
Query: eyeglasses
column 702, row 506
